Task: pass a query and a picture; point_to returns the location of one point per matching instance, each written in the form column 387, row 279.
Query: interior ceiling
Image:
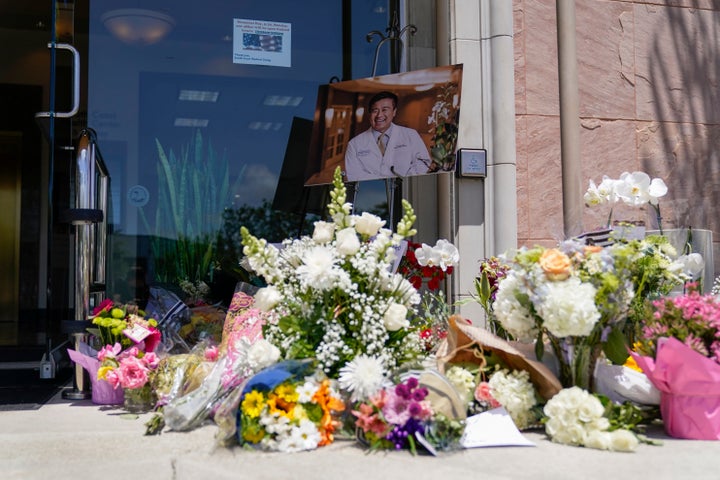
column 37, row 14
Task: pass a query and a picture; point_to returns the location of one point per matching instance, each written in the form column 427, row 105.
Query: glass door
column 41, row 100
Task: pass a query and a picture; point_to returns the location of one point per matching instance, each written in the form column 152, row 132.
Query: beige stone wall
column 649, row 73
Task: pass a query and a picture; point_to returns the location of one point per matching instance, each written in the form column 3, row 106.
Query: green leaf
column 539, row 346
column 615, row 347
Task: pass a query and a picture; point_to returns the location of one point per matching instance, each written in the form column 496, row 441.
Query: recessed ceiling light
column 198, row 96
column 256, row 125
column 282, row 101
column 191, row 122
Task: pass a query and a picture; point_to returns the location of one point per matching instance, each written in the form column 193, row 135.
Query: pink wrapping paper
column 690, row 390
column 102, row 392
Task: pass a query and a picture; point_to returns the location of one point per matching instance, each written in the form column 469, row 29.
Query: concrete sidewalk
column 79, row 440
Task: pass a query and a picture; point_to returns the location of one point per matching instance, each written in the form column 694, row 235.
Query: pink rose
column 151, row 360
column 133, row 373
column 211, row 354
column 109, row 352
column 130, row 352
column 112, row 378
column 483, row 393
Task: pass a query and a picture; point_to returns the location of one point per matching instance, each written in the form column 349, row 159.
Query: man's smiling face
column 382, row 113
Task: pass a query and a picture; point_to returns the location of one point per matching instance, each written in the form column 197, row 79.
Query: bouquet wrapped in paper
column 690, row 390
column 680, row 354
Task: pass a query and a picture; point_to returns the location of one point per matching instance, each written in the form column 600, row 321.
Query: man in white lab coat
column 385, row 149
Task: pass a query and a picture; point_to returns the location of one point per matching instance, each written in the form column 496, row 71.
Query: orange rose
column 592, row 249
column 555, row 264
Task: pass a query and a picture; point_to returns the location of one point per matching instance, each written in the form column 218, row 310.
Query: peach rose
column 555, row 264
column 592, row 249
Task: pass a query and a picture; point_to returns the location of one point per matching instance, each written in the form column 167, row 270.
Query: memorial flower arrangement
column 570, row 295
column 511, row 389
column 430, row 265
column 679, row 351
column 125, row 325
column 576, row 417
column 288, row 408
column 398, row 417
column 635, row 189
column 127, row 369
column 332, row 296
column 692, row 318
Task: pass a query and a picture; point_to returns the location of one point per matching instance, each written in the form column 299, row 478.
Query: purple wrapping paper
column 102, row 392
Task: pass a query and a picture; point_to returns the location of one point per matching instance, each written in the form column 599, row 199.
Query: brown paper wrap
column 463, row 337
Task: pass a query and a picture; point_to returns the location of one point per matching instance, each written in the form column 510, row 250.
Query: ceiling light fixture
column 198, row 96
column 136, row 26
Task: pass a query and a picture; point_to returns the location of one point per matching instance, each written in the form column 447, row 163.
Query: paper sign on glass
column 261, row 42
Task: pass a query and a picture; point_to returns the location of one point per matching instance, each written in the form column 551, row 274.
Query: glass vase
column 576, row 362
column 139, row 400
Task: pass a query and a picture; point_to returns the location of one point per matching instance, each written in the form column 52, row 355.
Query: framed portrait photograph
column 397, row 125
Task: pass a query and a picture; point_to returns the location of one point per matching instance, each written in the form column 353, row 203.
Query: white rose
column 347, row 242
column 599, row 440
column 623, row 441
column 262, row 354
column 266, row 298
column 368, row 224
column 591, row 409
column 323, row 232
column 395, row 317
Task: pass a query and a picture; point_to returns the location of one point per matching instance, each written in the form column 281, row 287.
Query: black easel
column 393, row 186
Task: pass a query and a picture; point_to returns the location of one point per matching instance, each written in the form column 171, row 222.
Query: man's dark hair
column 381, row 95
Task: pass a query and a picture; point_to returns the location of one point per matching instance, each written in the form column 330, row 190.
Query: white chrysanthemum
column 516, row 393
column 306, row 391
column 316, row 267
column 303, row 437
column 568, row 308
column 511, row 314
column 363, row 377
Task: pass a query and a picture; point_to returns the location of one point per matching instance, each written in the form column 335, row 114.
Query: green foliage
column 193, row 190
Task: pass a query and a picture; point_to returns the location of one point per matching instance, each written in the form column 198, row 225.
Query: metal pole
column 569, row 119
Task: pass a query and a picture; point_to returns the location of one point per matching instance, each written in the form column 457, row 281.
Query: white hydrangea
column 516, row 393
column 511, row 314
column 568, row 308
column 462, row 379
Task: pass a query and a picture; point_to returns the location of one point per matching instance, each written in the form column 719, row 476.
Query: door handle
column 76, row 83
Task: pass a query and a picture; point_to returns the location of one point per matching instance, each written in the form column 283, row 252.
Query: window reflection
column 206, row 136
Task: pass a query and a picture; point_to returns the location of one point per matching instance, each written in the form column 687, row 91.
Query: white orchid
column 636, row 189
column 444, row 254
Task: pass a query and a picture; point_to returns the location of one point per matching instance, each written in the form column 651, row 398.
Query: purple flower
column 412, row 382
column 419, row 394
column 402, row 391
column 414, row 409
